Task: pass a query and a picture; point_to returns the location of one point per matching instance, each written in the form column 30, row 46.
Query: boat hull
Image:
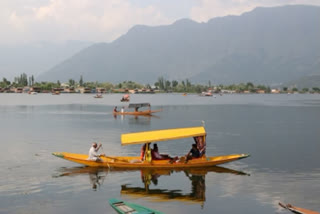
column 297, row 210
column 135, row 163
column 147, row 112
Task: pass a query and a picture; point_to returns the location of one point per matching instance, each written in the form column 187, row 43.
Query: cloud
column 208, row 9
column 104, row 21
column 93, row 20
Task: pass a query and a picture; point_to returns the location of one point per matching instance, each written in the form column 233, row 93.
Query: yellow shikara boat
column 135, row 162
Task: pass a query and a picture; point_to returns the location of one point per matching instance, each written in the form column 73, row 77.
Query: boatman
column 93, row 152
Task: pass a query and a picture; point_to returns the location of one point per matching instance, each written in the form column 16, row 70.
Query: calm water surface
column 281, row 132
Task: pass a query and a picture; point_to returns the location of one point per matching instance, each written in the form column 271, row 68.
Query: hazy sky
column 106, row 20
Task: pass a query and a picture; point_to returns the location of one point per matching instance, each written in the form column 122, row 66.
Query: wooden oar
column 104, row 155
column 117, row 159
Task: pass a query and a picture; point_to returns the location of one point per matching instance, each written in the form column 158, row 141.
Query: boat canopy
column 161, row 135
column 138, row 105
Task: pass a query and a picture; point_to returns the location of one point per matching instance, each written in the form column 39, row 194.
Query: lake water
column 280, row 132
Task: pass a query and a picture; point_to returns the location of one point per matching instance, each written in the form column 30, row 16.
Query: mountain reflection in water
column 148, row 176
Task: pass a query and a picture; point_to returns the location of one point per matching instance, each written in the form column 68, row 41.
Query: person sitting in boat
column 143, row 150
column 193, row 153
column 201, row 145
column 156, row 155
column 122, row 109
column 115, row 109
column 93, row 152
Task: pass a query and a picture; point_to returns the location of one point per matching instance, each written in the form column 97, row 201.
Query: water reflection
column 196, row 176
column 96, row 175
column 151, row 176
column 136, row 119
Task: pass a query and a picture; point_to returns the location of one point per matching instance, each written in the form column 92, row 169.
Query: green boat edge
column 58, row 154
column 139, row 208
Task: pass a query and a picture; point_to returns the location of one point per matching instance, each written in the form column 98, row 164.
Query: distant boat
column 56, row 93
column 136, row 111
column 206, row 94
column 33, row 93
column 125, row 98
column 124, row 207
column 98, row 96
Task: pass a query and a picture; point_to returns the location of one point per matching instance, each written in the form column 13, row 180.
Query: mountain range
column 263, row 46
column 36, row 57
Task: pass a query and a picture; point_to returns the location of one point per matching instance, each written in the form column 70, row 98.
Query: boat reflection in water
column 136, row 119
column 96, row 175
column 196, row 176
column 148, row 176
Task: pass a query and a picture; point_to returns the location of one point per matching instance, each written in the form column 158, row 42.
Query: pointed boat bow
column 58, row 154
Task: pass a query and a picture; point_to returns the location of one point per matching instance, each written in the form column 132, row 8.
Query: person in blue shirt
column 193, row 153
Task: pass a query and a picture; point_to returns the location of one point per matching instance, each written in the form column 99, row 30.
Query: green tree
column 188, row 85
column 81, row 81
column 72, row 83
column 174, row 83
column 21, row 80
column 167, row 85
column 161, row 82
column 5, row 83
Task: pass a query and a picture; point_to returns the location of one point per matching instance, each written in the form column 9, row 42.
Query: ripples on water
column 281, row 132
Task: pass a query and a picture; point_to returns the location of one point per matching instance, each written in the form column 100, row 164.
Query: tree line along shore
column 25, row 84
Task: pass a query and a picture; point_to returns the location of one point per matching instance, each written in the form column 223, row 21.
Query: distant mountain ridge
column 304, row 82
column 266, row 45
column 34, row 58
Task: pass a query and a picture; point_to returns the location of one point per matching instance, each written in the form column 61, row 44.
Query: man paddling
column 93, row 152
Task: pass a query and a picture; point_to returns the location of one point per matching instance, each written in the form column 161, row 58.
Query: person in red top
column 115, row 109
column 142, row 151
column 201, row 145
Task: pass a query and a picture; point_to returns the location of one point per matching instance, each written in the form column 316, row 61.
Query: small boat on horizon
column 125, row 98
column 56, row 93
column 98, row 96
column 206, row 94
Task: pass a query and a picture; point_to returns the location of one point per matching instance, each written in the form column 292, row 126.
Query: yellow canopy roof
column 161, row 135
